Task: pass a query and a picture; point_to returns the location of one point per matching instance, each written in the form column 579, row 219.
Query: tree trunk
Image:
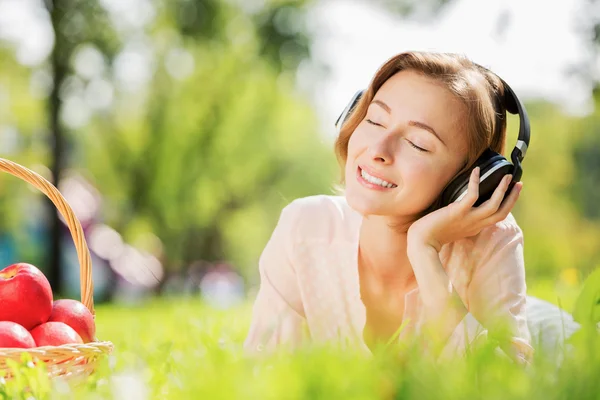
column 59, row 60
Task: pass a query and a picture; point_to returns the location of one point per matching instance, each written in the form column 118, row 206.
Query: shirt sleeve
column 496, row 297
column 277, row 313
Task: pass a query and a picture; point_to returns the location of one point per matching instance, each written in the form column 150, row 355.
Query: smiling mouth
column 376, row 181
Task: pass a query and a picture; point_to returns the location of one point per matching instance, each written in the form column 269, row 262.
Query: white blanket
column 550, row 327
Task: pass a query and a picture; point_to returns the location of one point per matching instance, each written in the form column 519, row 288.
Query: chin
column 364, row 205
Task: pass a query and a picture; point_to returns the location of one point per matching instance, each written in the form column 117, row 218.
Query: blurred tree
column 74, row 22
column 550, row 221
column 413, row 8
column 197, row 133
column 281, row 28
column 585, row 152
column 21, row 122
column 220, row 135
column 588, row 26
column 586, row 158
column 558, row 207
column 584, row 190
column 208, row 145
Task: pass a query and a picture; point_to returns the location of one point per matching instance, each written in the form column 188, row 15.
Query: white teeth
column 376, row 181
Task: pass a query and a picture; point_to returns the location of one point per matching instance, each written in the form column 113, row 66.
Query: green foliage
column 201, row 160
column 423, row 9
column 558, row 238
column 27, row 380
column 206, row 158
column 586, row 157
column 587, row 307
column 207, row 168
column 22, row 139
column 81, row 21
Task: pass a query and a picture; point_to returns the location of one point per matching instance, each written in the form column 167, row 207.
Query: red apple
column 54, row 334
column 76, row 315
column 25, row 295
column 14, row 335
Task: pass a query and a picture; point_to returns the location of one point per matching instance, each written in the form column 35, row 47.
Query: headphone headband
column 514, row 106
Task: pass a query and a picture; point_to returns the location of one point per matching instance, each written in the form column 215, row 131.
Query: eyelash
column 417, row 147
column 411, row 143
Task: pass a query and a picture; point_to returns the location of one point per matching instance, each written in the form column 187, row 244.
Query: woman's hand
column 460, row 219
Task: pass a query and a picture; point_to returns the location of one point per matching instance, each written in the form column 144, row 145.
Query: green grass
column 556, row 292
column 181, row 349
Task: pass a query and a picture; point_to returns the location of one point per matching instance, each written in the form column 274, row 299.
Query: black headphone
column 493, row 166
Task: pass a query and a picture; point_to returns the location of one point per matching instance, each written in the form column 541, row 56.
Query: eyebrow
column 411, row 123
column 382, row 105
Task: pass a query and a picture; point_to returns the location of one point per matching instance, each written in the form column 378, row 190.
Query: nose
column 381, row 151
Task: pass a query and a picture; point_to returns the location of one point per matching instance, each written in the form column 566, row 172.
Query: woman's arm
column 443, row 308
column 496, row 295
column 498, row 285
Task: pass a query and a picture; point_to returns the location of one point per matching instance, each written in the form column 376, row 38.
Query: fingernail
column 518, row 188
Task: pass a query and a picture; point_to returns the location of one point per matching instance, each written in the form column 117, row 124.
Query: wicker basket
column 67, row 360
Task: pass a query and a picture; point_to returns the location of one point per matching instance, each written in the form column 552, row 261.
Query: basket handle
column 83, row 253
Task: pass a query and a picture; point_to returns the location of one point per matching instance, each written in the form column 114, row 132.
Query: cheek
column 355, row 143
column 424, row 178
column 356, row 146
column 418, row 173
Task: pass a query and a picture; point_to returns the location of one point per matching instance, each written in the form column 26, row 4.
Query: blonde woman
column 390, row 255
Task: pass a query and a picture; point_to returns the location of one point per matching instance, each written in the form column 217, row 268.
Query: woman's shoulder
column 322, row 218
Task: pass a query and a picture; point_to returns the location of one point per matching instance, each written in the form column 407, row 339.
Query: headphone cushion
column 493, row 167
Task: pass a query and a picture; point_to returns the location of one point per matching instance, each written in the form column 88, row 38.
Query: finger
column 508, row 204
column 493, row 203
column 473, row 189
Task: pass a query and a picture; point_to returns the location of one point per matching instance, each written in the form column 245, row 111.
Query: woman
column 383, row 258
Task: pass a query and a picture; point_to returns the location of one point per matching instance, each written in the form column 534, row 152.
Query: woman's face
column 411, row 142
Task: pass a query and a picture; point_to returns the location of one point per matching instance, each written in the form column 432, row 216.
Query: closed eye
column 411, row 143
column 373, row 123
column 417, row 147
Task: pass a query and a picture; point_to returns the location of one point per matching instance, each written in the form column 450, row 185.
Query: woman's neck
column 383, row 247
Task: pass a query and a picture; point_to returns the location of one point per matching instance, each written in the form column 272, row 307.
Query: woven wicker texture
column 65, row 360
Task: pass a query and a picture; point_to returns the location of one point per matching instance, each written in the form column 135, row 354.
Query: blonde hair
column 480, row 91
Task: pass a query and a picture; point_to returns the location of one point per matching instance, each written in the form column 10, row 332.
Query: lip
column 370, row 185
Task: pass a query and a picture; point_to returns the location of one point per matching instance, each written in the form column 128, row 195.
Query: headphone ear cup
column 492, row 177
column 493, row 167
column 454, row 188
